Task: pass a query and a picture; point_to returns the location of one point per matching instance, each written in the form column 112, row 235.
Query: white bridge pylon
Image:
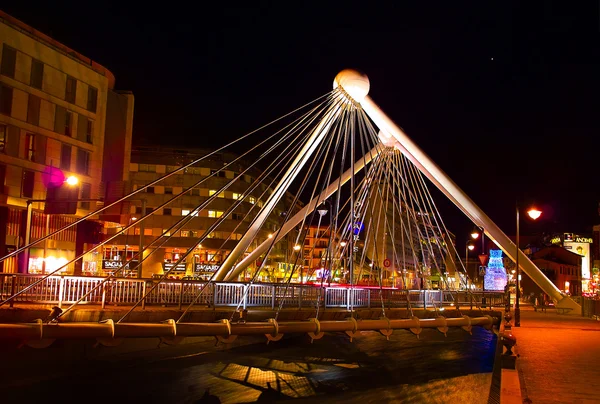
column 355, row 86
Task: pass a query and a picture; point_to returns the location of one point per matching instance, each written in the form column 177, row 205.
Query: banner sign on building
column 112, row 264
column 205, row 268
column 167, row 267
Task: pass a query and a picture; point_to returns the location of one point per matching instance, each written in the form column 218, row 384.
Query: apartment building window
column 195, row 192
column 9, row 60
column 37, row 74
column 6, row 97
column 65, row 157
column 167, row 212
column 68, row 123
column 211, row 192
column 83, row 162
column 89, row 133
column 30, row 146
column 2, row 178
column 168, row 190
column 149, row 168
column 251, row 199
column 92, row 99
column 235, row 196
column 3, row 138
column 86, row 193
column 215, row 213
column 185, row 212
column 237, row 216
column 150, row 190
column 33, row 110
column 27, row 184
column 218, row 173
column 71, row 90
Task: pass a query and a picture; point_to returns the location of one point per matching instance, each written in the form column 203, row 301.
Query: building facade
column 55, row 110
column 196, row 185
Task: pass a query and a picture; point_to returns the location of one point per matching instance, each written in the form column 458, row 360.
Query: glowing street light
column 475, row 233
column 296, row 247
column 72, row 180
column 534, row 214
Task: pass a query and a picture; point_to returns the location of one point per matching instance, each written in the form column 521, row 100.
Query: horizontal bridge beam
column 40, row 334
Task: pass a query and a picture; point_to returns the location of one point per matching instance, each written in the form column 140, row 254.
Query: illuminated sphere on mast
column 354, row 83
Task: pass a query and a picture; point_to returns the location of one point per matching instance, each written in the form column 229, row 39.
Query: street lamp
column 70, row 181
column 534, row 214
column 469, row 247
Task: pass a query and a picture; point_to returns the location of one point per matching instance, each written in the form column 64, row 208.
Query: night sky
column 504, row 98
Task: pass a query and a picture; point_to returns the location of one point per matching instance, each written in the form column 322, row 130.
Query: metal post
column 25, row 264
column 144, row 294
column 46, row 244
column 273, row 297
column 61, row 291
column 518, row 293
column 141, row 242
column 180, row 294
column 13, row 290
column 103, row 296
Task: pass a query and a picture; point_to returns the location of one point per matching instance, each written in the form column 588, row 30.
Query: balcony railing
column 61, row 290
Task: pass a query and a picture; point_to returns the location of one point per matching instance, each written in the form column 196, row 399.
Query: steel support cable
column 189, row 251
column 440, row 242
column 126, row 228
column 442, row 221
column 318, row 229
column 373, row 199
column 414, row 201
column 177, row 226
column 328, row 257
column 227, row 270
column 399, row 188
column 255, row 185
column 370, row 195
column 411, row 216
column 443, row 225
column 367, row 122
column 427, row 224
column 337, row 132
column 406, row 199
column 340, row 123
column 332, row 120
column 426, row 200
column 96, row 212
column 323, row 146
column 294, row 202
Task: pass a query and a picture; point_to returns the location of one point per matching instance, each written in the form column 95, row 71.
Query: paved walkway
column 559, row 357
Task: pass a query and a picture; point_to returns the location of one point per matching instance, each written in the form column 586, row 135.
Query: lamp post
column 469, row 247
column 71, row 181
column 534, row 214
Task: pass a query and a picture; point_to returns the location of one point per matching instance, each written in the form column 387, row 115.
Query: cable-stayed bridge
column 340, row 154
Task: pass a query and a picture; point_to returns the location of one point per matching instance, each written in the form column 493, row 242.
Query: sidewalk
column 559, row 357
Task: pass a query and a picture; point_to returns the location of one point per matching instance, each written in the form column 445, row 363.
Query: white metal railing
column 125, row 291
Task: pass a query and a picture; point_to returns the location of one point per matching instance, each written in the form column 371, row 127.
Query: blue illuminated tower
column 495, row 276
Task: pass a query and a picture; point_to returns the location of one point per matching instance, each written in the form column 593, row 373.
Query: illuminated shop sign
column 555, row 240
column 167, row 267
column 584, row 240
column 205, row 268
column 111, row 264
